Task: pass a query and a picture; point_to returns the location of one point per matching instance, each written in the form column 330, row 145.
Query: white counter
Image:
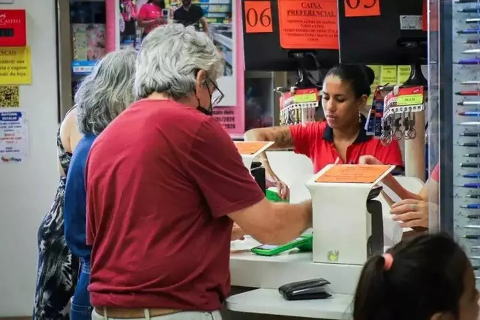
column 269, row 273
column 269, row 301
column 250, row 270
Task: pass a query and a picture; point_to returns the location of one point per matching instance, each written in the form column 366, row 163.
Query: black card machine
column 305, row 290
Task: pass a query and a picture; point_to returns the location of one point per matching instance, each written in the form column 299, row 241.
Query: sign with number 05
column 258, row 17
column 362, row 8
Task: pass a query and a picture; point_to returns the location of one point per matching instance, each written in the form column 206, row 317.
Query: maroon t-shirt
column 161, row 180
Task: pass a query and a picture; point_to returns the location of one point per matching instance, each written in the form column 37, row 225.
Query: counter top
column 254, row 271
column 269, row 301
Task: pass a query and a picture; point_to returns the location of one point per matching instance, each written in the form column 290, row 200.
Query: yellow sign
column 306, row 97
column 403, row 74
column 388, row 74
column 15, row 66
column 409, row 100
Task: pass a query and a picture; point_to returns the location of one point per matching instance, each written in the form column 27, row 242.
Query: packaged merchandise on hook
column 398, row 115
column 298, row 105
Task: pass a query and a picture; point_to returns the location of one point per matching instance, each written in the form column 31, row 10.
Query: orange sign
column 258, row 17
column 309, row 24
column 250, row 147
column 348, row 173
column 362, row 8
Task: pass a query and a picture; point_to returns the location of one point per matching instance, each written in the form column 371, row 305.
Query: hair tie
column 388, row 261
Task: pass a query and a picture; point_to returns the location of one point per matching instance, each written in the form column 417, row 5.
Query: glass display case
column 454, row 136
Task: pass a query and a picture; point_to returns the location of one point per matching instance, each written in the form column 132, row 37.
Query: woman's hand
column 237, row 232
column 412, row 213
column 283, row 190
column 371, row 160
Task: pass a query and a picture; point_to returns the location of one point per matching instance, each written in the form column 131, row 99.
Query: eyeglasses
column 217, row 95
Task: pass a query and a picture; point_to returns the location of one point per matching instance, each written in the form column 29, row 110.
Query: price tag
column 409, row 100
column 258, row 17
column 305, row 97
column 362, row 8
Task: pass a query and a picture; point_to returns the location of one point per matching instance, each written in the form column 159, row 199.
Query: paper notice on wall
column 13, row 136
column 9, row 97
column 308, row 24
column 15, row 66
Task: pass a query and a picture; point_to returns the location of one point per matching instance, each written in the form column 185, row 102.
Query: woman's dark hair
column 360, row 77
column 425, row 278
column 161, row 4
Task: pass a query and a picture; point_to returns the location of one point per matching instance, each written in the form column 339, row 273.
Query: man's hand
column 371, row 160
column 237, row 233
column 412, row 213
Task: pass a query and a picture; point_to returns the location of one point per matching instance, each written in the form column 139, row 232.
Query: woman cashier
column 342, row 137
column 150, row 16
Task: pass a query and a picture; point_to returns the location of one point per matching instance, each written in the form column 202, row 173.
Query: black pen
column 472, row 155
column 473, row 216
column 473, row 196
column 470, row 144
column 472, row 237
column 472, row 41
column 469, row 134
column 469, row 165
column 466, row 1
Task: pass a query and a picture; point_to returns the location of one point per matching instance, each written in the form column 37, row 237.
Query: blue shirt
column 75, row 201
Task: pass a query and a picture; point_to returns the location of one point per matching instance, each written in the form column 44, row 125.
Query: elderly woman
column 164, row 183
column 101, row 97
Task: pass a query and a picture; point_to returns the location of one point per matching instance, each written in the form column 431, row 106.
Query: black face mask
column 208, row 111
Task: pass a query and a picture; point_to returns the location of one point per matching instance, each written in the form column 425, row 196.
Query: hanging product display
column 399, row 115
column 298, row 105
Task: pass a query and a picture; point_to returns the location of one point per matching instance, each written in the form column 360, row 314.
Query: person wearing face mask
column 191, row 15
column 150, row 16
column 342, row 137
column 165, row 185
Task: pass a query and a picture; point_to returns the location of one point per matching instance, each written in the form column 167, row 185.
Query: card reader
column 271, row 250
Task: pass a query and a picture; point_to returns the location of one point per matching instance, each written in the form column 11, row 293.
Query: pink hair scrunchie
column 388, row 261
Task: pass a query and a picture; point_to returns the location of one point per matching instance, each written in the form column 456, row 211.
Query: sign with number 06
column 258, row 17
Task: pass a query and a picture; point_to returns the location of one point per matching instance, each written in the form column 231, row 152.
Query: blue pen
column 468, row 31
column 472, row 185
column 477, row 9
column 470, row 113
column 471, row 206
column 472, row 175
column 469, row 61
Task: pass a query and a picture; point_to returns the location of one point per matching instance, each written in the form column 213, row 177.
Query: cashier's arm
column 274, row 223
column 281, row 136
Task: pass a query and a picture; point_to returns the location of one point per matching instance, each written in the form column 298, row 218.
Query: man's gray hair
column 170, row 58
column 106, row 92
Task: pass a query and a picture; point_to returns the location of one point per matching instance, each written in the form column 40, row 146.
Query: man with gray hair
column 165, row 184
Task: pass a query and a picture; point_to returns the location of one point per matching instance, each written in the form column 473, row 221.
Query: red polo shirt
column 315, row 140
column 161, row 180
